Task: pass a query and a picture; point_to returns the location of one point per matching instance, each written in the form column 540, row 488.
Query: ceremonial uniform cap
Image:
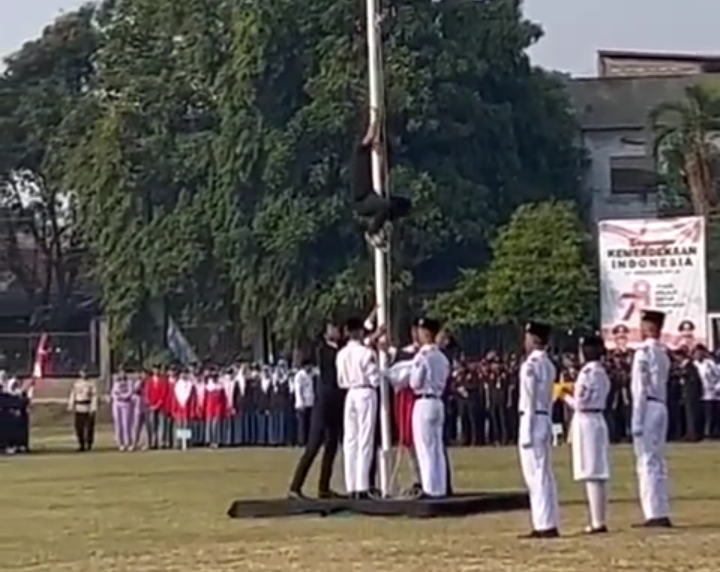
column 429, row 324
column 686, row 326
column 654, row 317
column 541, row 331
column 620, row 330
column 354, row 324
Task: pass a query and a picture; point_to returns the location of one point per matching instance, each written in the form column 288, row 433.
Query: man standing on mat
column 358, row 373
column 428, row 377
column 326, row 420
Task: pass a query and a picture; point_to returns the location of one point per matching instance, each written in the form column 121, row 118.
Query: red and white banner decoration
column 653, row 265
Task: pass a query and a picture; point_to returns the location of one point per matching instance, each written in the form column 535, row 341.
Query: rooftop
column 610, row 103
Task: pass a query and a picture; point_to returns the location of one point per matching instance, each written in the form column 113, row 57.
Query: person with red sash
column 183, row 401
column 215, row 409
column 199, row 417
column 155, row 395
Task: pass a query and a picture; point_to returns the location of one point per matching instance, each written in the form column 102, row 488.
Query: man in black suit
column 326, row 421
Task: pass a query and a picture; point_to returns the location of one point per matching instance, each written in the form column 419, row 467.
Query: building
column 654, row 64
column 613, row 110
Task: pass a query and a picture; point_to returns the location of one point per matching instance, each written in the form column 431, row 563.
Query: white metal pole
column 381, row 257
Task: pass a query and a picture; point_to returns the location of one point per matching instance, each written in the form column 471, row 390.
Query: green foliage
column 540, row 268
column 685, row 147
column 42, row 93
column 210, row 170
column 464, row 305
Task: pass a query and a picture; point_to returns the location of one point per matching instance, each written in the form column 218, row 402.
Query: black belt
column 427, row 396
column 536, row 413
column 361, row 387
column 84, row 402
column 655, row 399
column 591, row 411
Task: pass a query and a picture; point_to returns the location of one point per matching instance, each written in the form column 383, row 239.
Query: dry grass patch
column 165, row 511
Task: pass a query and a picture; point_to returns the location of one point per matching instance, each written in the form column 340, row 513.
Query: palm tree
column 686, row 140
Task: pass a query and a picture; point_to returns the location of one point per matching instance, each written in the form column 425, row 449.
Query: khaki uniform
column 83, row 403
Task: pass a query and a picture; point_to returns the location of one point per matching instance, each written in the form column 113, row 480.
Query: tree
column 540, row 269
column 686, row 137
column 212, row 179
column 42, row 87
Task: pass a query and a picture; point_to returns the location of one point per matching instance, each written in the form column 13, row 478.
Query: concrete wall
column 601, row 146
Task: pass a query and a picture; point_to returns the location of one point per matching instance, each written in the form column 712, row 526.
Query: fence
column 68, row 353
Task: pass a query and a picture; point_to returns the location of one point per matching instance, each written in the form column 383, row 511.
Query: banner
column 653, row 265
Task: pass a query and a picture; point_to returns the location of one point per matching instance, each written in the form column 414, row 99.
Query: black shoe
column 538, row 534
column 330, row 495
column 296, row 495
column 599, row 530
column 658, row 523
column 362, row 496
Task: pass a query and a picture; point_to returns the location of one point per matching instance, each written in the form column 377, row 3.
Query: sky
column 574, row 29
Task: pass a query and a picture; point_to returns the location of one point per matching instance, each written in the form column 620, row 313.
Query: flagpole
column 381, row 256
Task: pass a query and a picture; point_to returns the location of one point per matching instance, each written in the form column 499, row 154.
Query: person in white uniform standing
column 428, row 377
column 537, row 376
column 358, row 373
column 648, row 389
column 590, row 439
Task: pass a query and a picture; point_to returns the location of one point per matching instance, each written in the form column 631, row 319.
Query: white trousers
column 428, row 419
column 650, row 463
column 359, row 437
column 597, row 499
column 537, row 469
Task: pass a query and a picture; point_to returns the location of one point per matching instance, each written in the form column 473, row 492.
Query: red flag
column 42, row 355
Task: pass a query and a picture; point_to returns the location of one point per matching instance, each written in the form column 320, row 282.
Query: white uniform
column 537, row 376
column 648, row 388
column 710, row 377
column 358, row 372
column 590, row 439
column 428, row 378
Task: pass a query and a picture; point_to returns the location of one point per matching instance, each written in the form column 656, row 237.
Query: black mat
column 456, row 506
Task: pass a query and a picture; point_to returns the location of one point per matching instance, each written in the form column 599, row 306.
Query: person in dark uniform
column 686, row 334
column 374, row 211
column 326, row 421
column 621, row 334
column 691, row 395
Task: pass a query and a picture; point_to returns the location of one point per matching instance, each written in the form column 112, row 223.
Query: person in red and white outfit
column 183, row 401
column 215, row 409
column 156, row 397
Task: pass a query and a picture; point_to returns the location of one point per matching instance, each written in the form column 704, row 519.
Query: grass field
column 165, row 511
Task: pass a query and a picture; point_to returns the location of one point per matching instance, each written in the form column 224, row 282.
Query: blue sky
column 574, row 29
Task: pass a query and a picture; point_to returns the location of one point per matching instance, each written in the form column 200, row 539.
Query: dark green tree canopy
column 210, row 171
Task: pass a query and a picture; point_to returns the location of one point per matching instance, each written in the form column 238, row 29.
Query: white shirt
column 303, row 390
column 648, row 379
column 710, row 377
column 430, row 371
column 357, row 366
column 591, row 389
column 537, row 376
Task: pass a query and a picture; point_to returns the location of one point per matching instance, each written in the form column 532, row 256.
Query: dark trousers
column 498, row 426
column 326, row 422
column 303, row 417
column 380, row 210
column 85, row 430
column 711, row 420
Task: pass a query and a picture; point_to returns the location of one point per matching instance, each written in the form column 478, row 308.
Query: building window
column 632, row 176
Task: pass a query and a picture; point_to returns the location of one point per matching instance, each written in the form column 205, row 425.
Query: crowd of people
column 253, row 405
